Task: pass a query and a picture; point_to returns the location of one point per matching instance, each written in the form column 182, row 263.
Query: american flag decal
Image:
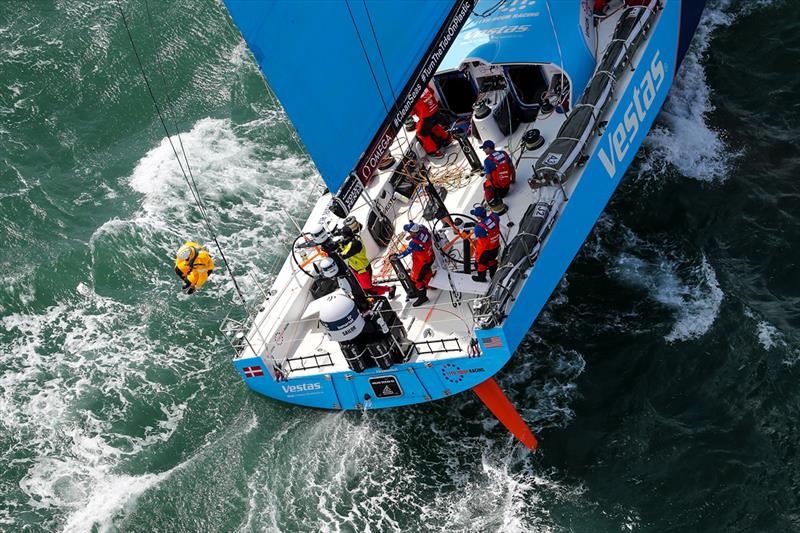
column 492, row 342
column 252, row 371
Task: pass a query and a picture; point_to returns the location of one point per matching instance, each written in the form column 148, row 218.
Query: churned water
column 662, row 377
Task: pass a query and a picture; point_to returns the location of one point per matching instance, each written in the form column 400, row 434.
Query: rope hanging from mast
column 189, row 178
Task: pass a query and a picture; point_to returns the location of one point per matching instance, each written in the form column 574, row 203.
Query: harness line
column 188, row 178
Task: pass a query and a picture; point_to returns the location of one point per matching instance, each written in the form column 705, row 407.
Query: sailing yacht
column 568, row 89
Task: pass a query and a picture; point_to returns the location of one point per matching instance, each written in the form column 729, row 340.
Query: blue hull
column 426, row 381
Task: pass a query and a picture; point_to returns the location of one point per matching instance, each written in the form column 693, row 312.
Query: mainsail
column 347, row 72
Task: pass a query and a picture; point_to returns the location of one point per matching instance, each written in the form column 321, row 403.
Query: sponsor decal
column 492, row 342
column 349, row 193
column 623, row 131
column 252, row 371
column 424, row 72
column 280, row 335
column 501, row 31
column 302, row 387
column 312, row 388
column 455, row 374
column 385, row 387
column 553, row 159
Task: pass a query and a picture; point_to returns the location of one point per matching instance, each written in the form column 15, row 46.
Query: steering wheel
column 307, row 251
column 453, row 250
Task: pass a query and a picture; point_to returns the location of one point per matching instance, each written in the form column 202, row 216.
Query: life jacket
column 501, row 176
column 424, row 241
column 195, row 269
column 491, row 225
column 359, row 261
column 426, row 106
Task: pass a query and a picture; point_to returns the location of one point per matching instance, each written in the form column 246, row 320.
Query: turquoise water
column 661, row 378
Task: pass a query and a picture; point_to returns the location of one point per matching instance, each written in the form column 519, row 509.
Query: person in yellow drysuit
column 193, row 265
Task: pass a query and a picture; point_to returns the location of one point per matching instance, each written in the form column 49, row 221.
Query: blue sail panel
column 338, row 67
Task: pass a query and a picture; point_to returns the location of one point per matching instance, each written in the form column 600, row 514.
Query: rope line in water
column 189, row 180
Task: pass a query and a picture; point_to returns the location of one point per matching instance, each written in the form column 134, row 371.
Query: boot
column 492, row 271
column 479, row 277
column 392, row 292
column 422, row 297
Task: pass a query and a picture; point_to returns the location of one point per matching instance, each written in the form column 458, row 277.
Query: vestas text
column 623, row 132
column 302, row 387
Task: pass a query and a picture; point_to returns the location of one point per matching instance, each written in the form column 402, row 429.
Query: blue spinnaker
column 338, row 66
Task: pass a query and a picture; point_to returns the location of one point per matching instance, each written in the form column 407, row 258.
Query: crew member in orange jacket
column 429, row 130
column 487, row 243
column 420, row 247
column 499, row 173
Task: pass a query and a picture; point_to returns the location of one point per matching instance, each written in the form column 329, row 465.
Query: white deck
column 280, row 332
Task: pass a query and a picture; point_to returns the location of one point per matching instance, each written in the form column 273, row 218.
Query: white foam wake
column 250, row 197
column 690, row 291
column 682, row 137
column 57, row 364
column 772, row 339
column 78, row 374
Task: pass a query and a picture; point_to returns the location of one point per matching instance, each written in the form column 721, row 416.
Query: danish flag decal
column 252, row 371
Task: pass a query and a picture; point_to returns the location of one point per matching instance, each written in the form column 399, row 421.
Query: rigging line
column 489, row 12
column 558, row 45
column 383, row 64
column 152, row 95
column 366, row 56
column 164, row 125
column 169, row 107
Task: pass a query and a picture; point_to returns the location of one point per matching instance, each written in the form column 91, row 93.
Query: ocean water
column 662, row 378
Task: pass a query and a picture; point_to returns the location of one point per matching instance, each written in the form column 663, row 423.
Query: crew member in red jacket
column 487, row 243
column 420, row 247
column 429, row 130
column 499, row 173
column 600, row 6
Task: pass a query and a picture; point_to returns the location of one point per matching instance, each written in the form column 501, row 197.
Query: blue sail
column 339, row 67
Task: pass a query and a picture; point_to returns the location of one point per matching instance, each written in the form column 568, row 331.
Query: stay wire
column 489, row 12
column 385, row 70
column 366, row 55
column 558, row 45
column 175, row 151
column 169, row 107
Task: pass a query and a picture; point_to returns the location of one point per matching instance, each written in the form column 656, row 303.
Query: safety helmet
column 328, row 267
column 411, row 227
column 318, row 233
column 478, row 212
column 347, row 232
column 185, row 253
